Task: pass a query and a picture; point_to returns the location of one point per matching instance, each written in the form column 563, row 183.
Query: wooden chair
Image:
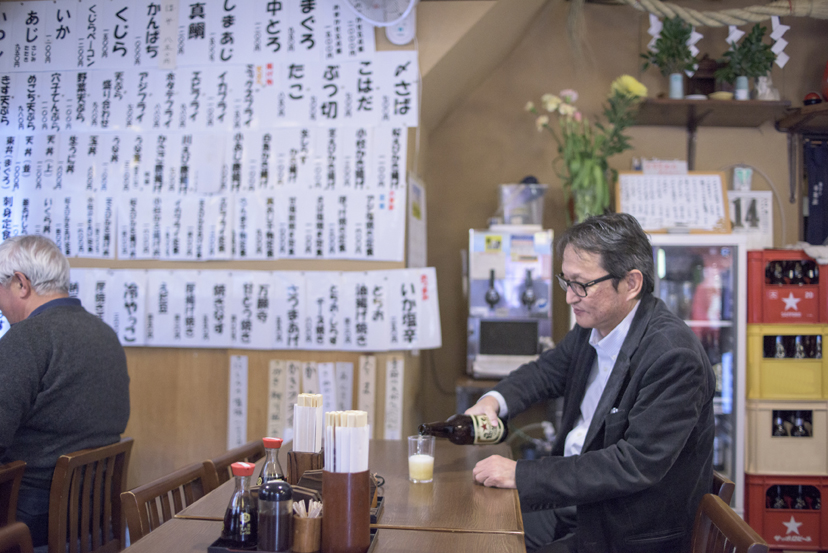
column 84, row 501
column 723, row 487
column 141, row 504
column 718, row 529
column 15, row 538
column 10, row 477
column 217, row 469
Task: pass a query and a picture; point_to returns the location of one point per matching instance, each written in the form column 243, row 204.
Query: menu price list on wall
column 99, row 34
column 340, row 196
column 313, row 310
column 381, row 90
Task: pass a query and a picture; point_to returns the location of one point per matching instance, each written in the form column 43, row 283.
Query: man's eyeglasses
column 579, row 288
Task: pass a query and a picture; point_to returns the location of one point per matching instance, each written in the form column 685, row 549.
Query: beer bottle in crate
column 799, row 430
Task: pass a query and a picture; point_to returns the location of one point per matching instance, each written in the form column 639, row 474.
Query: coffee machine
column 510, row 298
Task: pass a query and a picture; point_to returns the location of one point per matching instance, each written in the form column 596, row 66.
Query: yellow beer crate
column 789, row 376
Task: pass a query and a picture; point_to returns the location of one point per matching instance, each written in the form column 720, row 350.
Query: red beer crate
column 771, row 510
column 775, row 295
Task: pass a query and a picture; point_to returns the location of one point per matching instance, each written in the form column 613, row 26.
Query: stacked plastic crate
column 787, row 389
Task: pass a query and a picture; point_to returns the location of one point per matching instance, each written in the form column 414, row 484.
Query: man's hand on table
column 495, row 472
column 486, row 406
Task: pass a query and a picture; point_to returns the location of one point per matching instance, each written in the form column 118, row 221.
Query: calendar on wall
column 751, row 213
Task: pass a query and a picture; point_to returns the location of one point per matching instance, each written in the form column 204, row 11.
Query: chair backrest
column 218, row 468
column 15, row 538
column 10, row 477
column 149, row 506
column 84, row 501
column 718, row 529
column 723, row 487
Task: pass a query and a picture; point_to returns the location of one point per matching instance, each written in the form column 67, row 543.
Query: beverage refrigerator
column 703, row 279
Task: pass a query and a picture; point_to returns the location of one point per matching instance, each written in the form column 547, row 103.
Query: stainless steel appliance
column 510, row 298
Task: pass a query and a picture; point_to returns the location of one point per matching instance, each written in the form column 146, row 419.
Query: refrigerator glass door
column 701, row 279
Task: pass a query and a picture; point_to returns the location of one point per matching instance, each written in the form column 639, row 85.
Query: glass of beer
column 420, row 459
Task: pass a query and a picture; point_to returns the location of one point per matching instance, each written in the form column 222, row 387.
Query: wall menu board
column 696, row 201
column 276, row 131
column 388, row 310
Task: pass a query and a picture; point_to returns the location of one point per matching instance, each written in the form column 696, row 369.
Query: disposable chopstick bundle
column 307, row 423
column 346, row 439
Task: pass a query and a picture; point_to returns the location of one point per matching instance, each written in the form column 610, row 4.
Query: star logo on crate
column 791, row 301
column 792, row 526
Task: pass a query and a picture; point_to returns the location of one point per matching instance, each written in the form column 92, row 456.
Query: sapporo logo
column 792, row 534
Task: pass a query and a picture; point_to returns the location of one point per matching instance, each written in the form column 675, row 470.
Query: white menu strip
column 276, row 399
column 237, row 408
column 394, row 379
column 366, row 396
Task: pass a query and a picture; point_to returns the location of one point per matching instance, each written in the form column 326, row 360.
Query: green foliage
column 671, row 55
column 583, row 148
column 749, row 58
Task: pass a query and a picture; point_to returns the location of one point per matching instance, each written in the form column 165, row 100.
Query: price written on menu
column 318, row 310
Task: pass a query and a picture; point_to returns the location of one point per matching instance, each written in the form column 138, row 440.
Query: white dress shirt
column 607, row 350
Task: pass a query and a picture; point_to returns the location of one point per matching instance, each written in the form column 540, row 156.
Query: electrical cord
column 428, row 358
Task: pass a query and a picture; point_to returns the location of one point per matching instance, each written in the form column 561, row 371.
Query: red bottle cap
column 242, row 469
column 272, row 443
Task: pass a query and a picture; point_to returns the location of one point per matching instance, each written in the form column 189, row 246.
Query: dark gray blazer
column 647, row 457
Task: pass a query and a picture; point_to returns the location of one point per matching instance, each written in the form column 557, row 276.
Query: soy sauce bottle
column 272, row 468
column 241, row 517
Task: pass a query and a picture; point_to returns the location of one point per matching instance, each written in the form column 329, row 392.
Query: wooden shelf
column 813, row 119
column 692, row 114
column 709, row 113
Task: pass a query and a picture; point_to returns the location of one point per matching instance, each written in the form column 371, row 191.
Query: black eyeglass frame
column 567, row 284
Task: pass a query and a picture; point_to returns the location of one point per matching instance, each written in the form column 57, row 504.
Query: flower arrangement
column 583, row 148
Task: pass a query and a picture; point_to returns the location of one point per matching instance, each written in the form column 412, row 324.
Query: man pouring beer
column 633, row 456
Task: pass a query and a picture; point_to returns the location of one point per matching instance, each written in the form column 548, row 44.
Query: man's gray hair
column 620, row 242
column 39, row 259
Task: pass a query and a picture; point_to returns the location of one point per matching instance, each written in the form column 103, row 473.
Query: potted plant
column 584, row 147
column 671, row 54
column 750, row 58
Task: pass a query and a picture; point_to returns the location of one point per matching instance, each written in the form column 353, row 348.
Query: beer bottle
column 799, row 430
column 799, row 348
column 467, row 430
column 797, row 274
column 799, row 501
column 779, row 351
column 779, row 500
column 779, row 425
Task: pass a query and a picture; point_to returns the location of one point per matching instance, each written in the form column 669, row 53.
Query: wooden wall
column 179, row 400
column 487, row 138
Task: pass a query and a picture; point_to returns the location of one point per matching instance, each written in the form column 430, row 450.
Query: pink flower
column 569, row 96
column 578, row 117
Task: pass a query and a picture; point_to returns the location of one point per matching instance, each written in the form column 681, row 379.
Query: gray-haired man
column 634, row 451
column 63, row 376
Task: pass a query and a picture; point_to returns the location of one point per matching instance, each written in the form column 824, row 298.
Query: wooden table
column 194, row 536
column 451, row 514
column 453, row 501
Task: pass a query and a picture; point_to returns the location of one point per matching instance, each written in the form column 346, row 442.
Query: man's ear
column 635, row 283
column 22, row 285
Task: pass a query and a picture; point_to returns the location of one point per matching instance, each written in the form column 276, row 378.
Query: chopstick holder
column 346, row 520
column 301, row 461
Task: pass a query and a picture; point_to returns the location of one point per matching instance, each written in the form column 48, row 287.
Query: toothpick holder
column 345, row 526
column 299, row 462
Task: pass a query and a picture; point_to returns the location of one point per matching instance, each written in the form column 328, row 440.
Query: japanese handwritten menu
column 693, row 201
column 315, row 310
column 216, row 129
